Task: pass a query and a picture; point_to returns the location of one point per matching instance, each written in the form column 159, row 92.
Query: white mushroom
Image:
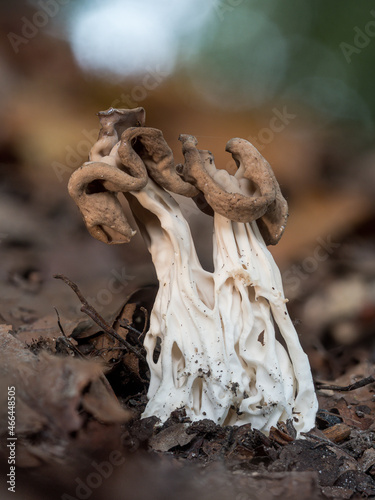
column 219, row 355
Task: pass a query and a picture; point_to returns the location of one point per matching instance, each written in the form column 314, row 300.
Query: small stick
column 59, row 322
column 64, row 339
column 67, row 343
column 145, row 312
column 127, row 326
column 99, row 320
column 124, row 323
column 351, row 387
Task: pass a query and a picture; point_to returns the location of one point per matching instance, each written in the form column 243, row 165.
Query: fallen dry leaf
column 172, row 436
column 55, row 398
column 337, row 433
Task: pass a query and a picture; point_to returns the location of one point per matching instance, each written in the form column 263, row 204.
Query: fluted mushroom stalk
column 219, row 355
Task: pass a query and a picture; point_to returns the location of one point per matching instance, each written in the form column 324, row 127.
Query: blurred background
column 295, row 78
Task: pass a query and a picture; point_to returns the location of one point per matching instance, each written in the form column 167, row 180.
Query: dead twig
column 356, row 385
column 145, row 312
column 124, row 323
column 59, row 322
column 99, row 320
column 65, row 340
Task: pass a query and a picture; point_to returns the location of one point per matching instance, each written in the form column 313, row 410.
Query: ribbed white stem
column 219, row 355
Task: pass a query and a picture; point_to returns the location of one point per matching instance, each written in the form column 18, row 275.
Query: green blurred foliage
column 315, row 52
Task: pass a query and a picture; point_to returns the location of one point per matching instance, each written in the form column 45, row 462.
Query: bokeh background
column 295, row 78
